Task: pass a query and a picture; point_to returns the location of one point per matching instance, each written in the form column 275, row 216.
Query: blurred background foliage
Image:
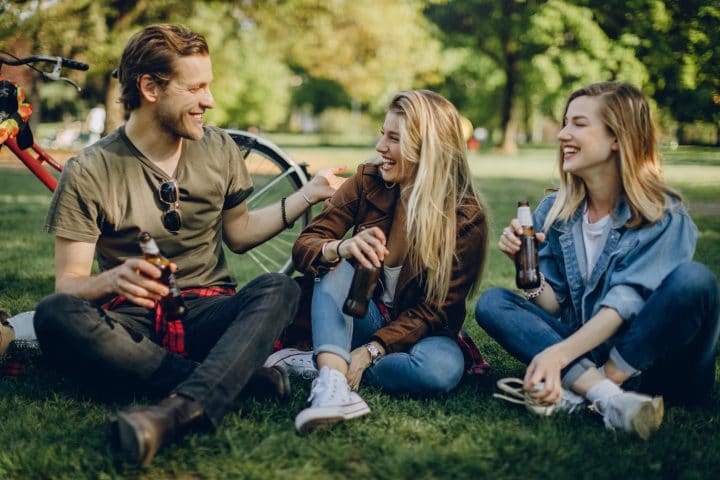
column 330, row 66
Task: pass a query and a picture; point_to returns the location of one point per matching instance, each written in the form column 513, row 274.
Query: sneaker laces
column 611, row 416
column 632, row 412
column 570, row 402
column 618, row 415
column 327, row 388
column 303, row 365
column 515, row 394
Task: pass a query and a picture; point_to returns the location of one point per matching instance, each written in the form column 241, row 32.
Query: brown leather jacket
column 364, row 201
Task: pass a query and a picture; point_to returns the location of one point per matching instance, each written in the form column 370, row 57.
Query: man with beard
column 165, row 173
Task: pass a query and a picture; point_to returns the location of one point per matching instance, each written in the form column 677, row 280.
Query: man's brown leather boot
column 142, row 431
column 268, row 382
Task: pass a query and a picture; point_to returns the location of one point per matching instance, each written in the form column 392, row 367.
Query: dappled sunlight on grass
column 50, row 427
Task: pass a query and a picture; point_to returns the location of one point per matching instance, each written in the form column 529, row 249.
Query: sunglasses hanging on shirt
column 170, row 197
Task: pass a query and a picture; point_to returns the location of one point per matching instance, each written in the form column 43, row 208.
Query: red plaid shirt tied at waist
column 170, row 331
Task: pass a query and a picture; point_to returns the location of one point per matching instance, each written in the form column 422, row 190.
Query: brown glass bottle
column 527, row 275
column 361, row 291
column 173, row 305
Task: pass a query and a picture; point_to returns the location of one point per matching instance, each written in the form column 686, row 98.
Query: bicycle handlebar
column 74, row 64
column 62, row 61
column 58, row 62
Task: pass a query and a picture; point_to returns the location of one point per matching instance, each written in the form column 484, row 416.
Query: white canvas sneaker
column 294, row 362
column 632, row 412
column 331, row 402
column 570, row 403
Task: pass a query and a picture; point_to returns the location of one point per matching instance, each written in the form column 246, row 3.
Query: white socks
column 602, row 391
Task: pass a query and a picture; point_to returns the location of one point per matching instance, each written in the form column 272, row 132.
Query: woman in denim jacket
column 620, row 295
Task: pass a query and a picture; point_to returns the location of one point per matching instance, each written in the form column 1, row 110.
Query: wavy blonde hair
column 433, row 143
column 626, row 115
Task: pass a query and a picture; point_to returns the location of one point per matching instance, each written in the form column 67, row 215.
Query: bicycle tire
column 275, row 175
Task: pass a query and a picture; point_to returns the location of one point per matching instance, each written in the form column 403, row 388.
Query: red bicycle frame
column 35, row 162
column 34, row 156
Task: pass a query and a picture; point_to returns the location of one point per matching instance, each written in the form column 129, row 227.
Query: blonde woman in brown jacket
column 415, row 213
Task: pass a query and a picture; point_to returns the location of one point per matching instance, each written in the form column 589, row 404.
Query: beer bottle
column 173, row 306
column 527, row 275
column 361, row 291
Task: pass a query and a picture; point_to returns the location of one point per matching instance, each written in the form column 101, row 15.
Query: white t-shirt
column 594, row 236
column 390, row 280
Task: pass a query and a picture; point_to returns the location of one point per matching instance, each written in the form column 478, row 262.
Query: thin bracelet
column 306, row 199
column 337, row 248
column 322, row 252
column 535, row 292
column 284, row 215
column 322, row 249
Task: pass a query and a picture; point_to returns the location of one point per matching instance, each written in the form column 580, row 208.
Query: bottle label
column 148, row 245
column 524, row 216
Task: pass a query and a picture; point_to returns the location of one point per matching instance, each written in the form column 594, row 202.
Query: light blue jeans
column 434, row 364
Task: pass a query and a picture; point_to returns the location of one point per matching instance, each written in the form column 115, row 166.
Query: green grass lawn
column 51, row 428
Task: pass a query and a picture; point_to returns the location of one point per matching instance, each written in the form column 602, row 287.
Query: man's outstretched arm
column 244, row 229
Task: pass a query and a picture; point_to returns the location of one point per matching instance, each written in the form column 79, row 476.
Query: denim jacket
column 631, row 266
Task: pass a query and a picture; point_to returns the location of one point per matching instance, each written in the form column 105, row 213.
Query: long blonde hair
column 626, row 114
column 432, row 140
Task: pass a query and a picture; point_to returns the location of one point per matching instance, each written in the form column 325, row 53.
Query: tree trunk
column 508, row 123
column 509, row 144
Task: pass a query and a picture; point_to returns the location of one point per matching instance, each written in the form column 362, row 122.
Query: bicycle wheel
column 274, row 175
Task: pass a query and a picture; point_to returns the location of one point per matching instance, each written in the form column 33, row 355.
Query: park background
column 330, row 66
column 314, row 77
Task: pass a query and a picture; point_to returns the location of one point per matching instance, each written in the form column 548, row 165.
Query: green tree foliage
column 678, row 42
column 501, row 61
column 371, row 48
column 472, row 81
column 251, row 83
column 575, row 51
column 262, row 50
column 93, row 31
column 318, row 94
column 542, row 48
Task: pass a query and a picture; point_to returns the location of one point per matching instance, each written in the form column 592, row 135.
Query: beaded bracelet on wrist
column 535, row 292
column 284, row 214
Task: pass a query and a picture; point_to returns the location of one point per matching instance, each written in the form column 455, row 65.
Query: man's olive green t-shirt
column 108, row 193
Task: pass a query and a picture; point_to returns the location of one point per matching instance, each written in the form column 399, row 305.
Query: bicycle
column 274, row 173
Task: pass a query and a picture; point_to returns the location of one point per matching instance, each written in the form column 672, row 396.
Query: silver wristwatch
column 374, row 353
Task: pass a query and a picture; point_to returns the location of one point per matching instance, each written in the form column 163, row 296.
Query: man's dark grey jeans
column 227, row 339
